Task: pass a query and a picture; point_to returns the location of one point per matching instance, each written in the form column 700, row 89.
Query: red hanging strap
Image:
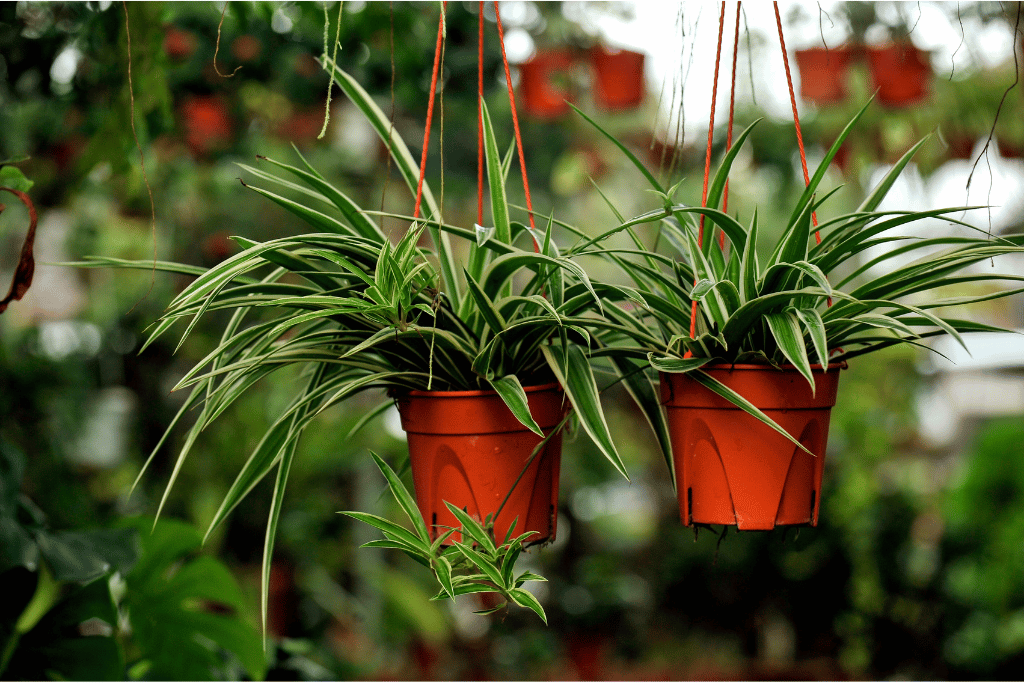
column 430, row 113
column 707, row 165
column 796, row 117
column 732, row 115
column 480, row 120
column 515, row 124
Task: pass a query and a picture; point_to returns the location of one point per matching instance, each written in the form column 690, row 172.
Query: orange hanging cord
column 480, row 120
column 515, row 126
column 796, row 116
column 479, row 129
column 732, row 114
column 707, row 165
column 430, row 112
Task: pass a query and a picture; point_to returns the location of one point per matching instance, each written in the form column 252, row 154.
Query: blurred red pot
column 545, row 83
column 179, row 44
column 900, row 72
column 207, row 124
column 618, row 77
column 823, row 73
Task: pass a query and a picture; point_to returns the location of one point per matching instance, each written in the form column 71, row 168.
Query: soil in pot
column 618, row 77
column 901, row 73
column 467, row 448
column 823, row 74
column 731, row 468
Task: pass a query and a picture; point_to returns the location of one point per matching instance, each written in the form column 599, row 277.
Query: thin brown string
column 142, row 157
column 216, row 47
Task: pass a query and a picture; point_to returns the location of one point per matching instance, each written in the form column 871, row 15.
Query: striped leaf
column 570, row 366
column 512, row 393
column 785, row 328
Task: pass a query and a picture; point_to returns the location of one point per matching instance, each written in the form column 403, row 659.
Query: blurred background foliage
column 917, row 568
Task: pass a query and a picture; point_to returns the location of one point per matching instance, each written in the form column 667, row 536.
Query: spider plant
column 809, row 302
column 356, row 312
column 482, row 566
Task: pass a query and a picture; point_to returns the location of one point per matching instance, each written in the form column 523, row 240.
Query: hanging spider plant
column 356, row 312
column 809, row 303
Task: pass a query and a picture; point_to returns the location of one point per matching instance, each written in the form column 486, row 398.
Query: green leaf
column 524, row 598
column 570, row 366
column 405, row 164
column 168, row 600
column 528, row 576
column 473, row 529
column 508, row 562
column 812, row 321
column 514, row 396
column 443, row 571
column 712, row 384
column 748, row 264
column 357, row 218
column 488, row 313
column 722, row 175
column 785, row 328
column 12, row 177
column 667, row 364
column 632, row 157
column 492, row 610
column 482, row 562
column 404, row 498
column 812, row 187
column 395, row 531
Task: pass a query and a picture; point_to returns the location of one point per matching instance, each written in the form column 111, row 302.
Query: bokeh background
column 917, row 567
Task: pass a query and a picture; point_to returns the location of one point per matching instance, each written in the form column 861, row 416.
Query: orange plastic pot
column 900, row 73
column 467, row 448
column 619, row 78
column 823, row 74
column 545, row 83
column 733, row 469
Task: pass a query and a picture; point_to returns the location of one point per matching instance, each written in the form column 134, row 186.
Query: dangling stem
column 216, row 47
column 334, row 60
column 142, row 157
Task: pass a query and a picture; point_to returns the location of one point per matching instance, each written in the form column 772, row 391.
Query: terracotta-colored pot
column 618, row 77
column 467, row 448
column 823, row 73
column 1009, row 149
column 960, row 146
column 900, row 73
column 734, row 469
column 545, row 83
column 207, row 123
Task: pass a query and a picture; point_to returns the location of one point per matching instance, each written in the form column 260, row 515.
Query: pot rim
column 841, row 365
column 470, row 393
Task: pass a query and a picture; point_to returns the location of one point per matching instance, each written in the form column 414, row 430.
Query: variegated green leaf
column 514, row 396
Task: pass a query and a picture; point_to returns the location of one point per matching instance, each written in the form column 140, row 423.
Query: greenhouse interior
column 512, row 340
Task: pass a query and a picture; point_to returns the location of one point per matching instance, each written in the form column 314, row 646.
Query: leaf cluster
column 86, row 604
column 352, row 311
column 811, row 303
column 475, row 564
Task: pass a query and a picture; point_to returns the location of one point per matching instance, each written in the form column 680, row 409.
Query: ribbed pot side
column 467, row 448
column 731, row 468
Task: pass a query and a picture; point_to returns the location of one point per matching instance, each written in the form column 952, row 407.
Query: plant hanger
column 480, row 118
column 728, row 143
